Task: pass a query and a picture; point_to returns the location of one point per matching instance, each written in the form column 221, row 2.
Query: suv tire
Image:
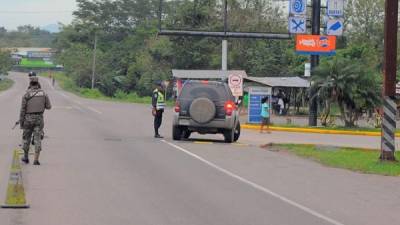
column 176, row 133
column 229, row 135
column 202, row 110
column 186, row 134
column 237, row 132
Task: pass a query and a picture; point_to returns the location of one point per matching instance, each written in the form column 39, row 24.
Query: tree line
column 25, row 36
column 131, row 55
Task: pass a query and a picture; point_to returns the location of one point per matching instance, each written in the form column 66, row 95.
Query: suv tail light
column 177, row 107
column 229, row 108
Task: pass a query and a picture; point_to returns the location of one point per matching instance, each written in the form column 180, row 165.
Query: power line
column 35, row 12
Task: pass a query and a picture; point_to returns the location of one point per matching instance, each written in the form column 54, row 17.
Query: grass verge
column 6, row 84
column 68, row 84
column 35, row 64
column 359, row 160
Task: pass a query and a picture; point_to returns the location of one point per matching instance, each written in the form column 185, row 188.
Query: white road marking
column 257, row 186
column 62, row 107
column 64, row 95
column 48, row 81
column 94, row 110
column 81, row 104
column 79, row 108
column 88, row 107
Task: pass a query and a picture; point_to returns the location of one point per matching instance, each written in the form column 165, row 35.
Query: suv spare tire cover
column 202, row 110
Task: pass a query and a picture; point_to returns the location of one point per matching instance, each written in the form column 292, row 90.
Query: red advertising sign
column 315, row 44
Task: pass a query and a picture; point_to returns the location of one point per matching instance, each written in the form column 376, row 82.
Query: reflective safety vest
column 160, row 100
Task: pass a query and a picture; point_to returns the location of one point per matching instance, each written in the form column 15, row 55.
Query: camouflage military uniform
column 33, row 126
column 34, row 103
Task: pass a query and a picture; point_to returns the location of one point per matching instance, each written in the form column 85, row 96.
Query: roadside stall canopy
column 283, row 82
column 293, row 90
column 206, row 74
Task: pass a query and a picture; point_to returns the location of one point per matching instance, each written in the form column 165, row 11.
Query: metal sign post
column 388, row 146
column 316, row 24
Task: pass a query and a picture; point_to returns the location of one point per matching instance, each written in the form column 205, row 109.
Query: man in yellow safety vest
column 158, row 103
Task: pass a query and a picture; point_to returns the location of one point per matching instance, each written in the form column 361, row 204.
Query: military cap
column 32, row 74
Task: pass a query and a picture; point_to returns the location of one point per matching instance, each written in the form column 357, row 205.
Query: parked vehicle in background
column 206, row 107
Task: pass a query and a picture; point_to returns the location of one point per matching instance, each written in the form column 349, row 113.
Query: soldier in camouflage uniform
column 34, row 103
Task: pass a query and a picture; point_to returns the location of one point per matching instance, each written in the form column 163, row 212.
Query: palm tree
column 348, row 83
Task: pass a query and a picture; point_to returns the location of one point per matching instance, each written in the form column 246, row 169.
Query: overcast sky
column 14, row 13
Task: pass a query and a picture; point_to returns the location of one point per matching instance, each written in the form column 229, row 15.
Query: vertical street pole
column 388, row 146
column 160, row 8
column 94, row 60
column 224, row 41
column 316, row 24
column 224, row 55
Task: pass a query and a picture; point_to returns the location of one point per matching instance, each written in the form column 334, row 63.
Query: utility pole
column 388, row 146
column 316, row 24
column 94, row 60
column 224, row 41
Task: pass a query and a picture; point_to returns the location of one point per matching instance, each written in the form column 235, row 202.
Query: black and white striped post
column 388, row 146
column 388, row 129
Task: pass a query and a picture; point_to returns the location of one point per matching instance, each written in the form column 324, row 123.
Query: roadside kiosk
column 254, row 106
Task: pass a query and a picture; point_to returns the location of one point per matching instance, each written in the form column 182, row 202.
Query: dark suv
column 206, row 107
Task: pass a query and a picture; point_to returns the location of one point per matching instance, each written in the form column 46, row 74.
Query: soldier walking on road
column 34, row 103
column 158, row 102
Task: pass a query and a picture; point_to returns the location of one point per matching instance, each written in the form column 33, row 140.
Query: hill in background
column 26, row 36
column 52, row 28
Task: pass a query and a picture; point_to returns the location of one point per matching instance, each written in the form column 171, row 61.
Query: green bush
column 5, row 84
column 91, row 93
column 119, row 94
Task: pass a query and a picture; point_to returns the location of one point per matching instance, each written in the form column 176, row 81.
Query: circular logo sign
column 235, row 80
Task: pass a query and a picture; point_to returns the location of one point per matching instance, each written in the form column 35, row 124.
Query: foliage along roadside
column 354, row 159
column 5, row 84
column 130, row 54
column 67, row 84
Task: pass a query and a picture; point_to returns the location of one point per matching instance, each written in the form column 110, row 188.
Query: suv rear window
column 212, row 91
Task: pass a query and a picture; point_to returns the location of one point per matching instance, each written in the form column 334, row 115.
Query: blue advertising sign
column 335, row 8
column 255, row 96
column 298, row 7
column 335, row 27
column 297, row 25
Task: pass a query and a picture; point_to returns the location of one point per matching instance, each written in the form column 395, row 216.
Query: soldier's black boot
column 25, row 159
column 36, row 161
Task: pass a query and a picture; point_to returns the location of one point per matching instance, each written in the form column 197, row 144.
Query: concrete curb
column 317, row 131
column 15, row 197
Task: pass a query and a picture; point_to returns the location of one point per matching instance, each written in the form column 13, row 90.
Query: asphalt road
column 101, row 166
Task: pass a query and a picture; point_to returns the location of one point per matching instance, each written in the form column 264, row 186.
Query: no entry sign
column 236, row 84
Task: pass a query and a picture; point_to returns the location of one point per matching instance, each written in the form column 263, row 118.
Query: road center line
column 94, row 110
column 64, row 95
column 81, row 104
column 51, row 86
column 256, row 186
column 88, row 107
